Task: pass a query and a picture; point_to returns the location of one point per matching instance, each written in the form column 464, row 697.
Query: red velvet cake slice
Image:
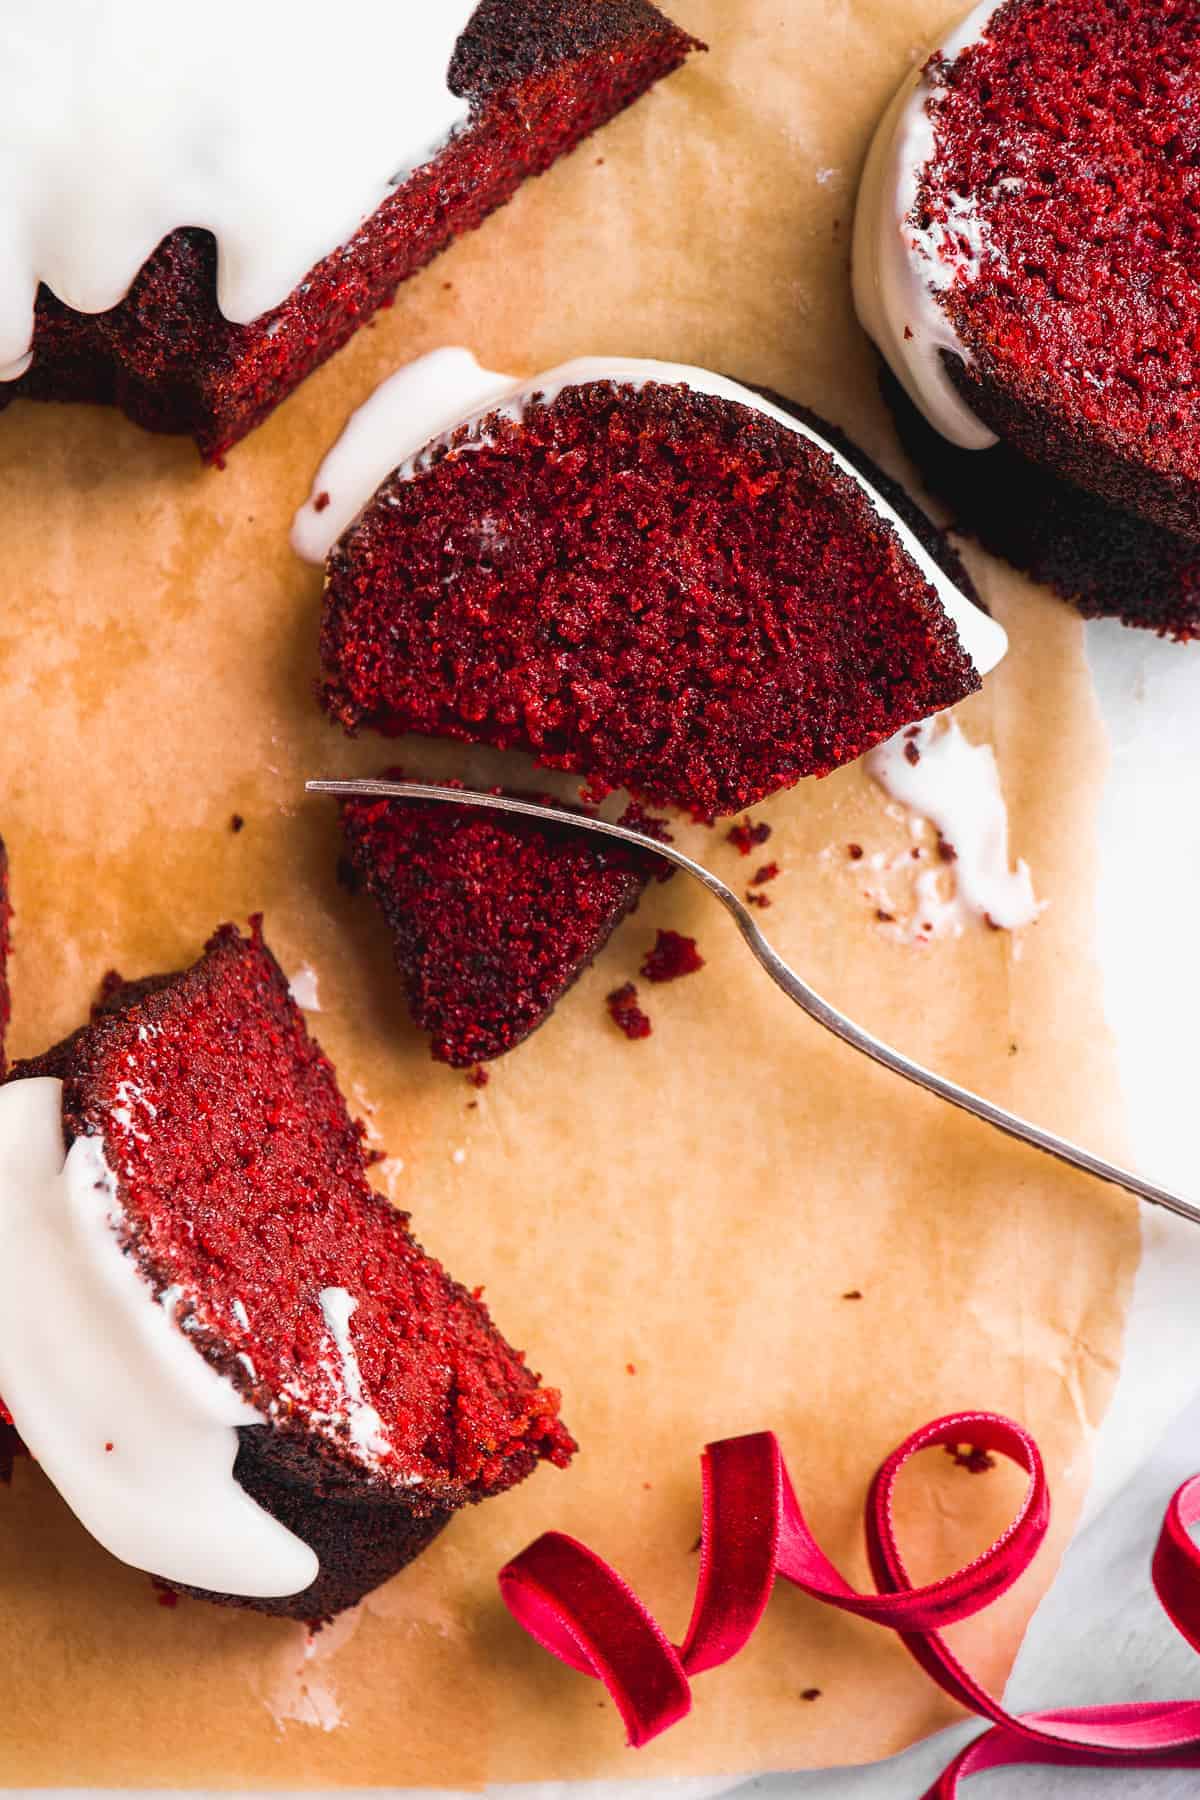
column 493, row 916
column 232, row 1287
column 650, row 575
column 1026, row 254
column 328, row 165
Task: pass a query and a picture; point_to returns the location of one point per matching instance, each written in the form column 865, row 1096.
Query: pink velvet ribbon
column 582, row 1612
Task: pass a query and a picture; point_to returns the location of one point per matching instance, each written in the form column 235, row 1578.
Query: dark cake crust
column 540, row 75
column 363, row 1524
column 779, row 630
column 1107, row 562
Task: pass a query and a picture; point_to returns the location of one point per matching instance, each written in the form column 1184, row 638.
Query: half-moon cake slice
column 227, row 1352
column 644, row 573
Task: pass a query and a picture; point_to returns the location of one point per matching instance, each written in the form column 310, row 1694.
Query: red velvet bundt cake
column 649, row 575
column 289, row 179
column 1027, row 261
column 228, row 1353
column 492, row 915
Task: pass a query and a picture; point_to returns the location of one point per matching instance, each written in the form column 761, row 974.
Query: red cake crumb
column 625, row 1012
column 493, row 915
column 971, row 1457
column 1063, row 149
column 768, row 872
column 854, row 852
column 810, row 1693
column 479, row 1076
column 852, row 1294
column 241, row 1180
column 236, row 823
column 164, row 1593
column 781, row 628
column 540, row 76
column 672, row 955
column 747, row 835
column 636, row 818
column 321, row 502
column 754, row 898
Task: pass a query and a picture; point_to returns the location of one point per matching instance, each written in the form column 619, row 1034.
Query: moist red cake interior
column 242, row 1181
column 657, row 588
column 540, row 75
column 1068, row 140
column 492, row 916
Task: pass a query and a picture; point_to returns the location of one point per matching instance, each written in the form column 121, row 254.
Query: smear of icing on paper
column 949, row 790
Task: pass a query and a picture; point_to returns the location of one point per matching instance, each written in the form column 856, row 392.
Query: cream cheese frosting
column 422, row 405
column 899, row 270
column 135, row 1429
column 279, row 127
column 937, row 774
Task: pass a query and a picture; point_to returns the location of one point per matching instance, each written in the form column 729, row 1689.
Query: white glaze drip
column 424, row 404
column 955, row 785
column 89, row 1359
column 279, row 127
column 899, row 271
column 302, row 986
column 364, row 1423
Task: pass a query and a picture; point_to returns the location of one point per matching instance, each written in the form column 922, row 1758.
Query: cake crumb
column 478, row 1078
column 747, row 835
column 107, row 1448
column 854, row 852
column 756, row 899
column 236, row 823
column 884, row 916
column 321, row 502
column 971, row 1457
column 912, row 753
column 852, row 1294
column 810, row 1693
column 631, row 1368
column 673, row 955
column 625, row 1012
column 165, row 1594
column 767, row 872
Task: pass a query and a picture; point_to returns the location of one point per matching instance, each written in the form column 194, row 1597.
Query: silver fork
column 804, row 996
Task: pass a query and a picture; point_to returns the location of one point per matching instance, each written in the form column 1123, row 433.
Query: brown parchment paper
column 670, row 1226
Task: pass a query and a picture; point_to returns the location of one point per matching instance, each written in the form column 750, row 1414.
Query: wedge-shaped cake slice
column 493, row 916
column 227, row 1352
column 645, row 573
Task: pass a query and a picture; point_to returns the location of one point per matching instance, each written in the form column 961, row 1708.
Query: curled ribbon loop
column 581, row 1611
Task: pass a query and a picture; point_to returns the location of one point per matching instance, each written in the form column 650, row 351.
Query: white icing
column 424, row 404
column 900, row 271
column 419, row 402
column 279, row 127
column 89, row 1359
column 955, row 785
column 302, row 986
column 363, row 1422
